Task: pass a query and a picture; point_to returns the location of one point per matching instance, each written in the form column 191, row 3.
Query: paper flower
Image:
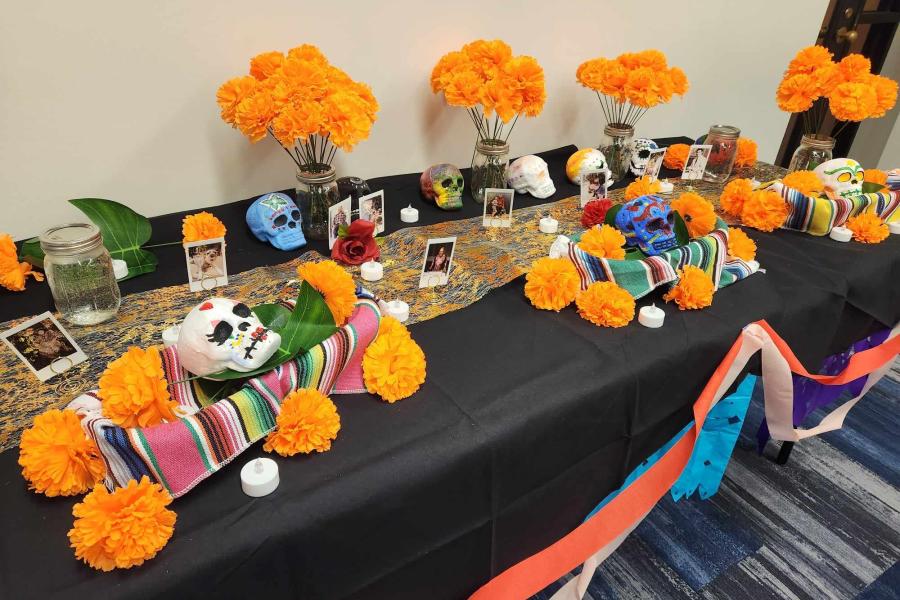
column 263, row 66
column 853, row 102
column 594, row 212
column 394, row 364
column 57, row 458
column 122, row 529
column 740, row 245
column 805, row 182
column 603, row 241
column 764, row 210
column 606, row 304
column 552, row 283
column 231, row 93
column 13, row 273
column 641, row 186
column 885, row 94
column 201, row 226
column 875, row 176
column 133, row 390
column 694, row 289
column 797, row 93
column 809, row 60
column 675, row 156
column 746, row 153
column 698, row 213
column 643, row 79
column 357, row 245
column 308, row 422
column 854, row 68
column 868, row 228
column 335, row 284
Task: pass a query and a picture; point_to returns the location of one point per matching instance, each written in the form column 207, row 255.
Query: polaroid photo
column 696, row 161
column 498, row 205
column 338, row 216
column 436, row 265
column 371, row 208
column 44, row 346
column 593, row 186
column 206, row 264
column 654, row 163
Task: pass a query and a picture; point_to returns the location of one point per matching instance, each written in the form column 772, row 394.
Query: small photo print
column 338, row 216
column 593, row 186
column 44, row 346
column 696, row 161
column 498, row 205
column 654, row 163
column 206, row 264
column 371, row 208
column 438, row 258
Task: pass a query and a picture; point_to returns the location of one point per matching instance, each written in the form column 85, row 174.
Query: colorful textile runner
column 817, row 216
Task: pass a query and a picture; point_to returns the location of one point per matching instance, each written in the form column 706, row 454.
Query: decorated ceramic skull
column 587, row 159
column 529, row 174
column 841, row 177
column 641, row 154
column 648, row 223
column 443, row 185
column 274, row 218
column 221, row 334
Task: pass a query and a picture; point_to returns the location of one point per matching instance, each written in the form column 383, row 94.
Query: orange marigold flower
column 765, row 210
column 122, row 529
column 201, row 226
column 675, row 156
column 746, row 153
column 642, row 186
column 394, row 364
column 698, row 213
column 796, row 93
column 445, row 68
column 695, row 289
column 262, row 66
column 868, row 228
column 308, row 52
column 653, row 59
column 346, row 118
column 524, row 74
column 603, row 75
column 134, row 392
column 253, row 115
column 308, row 422
column 552, row 283
column 335, row 284
column 13, row 273
column 853, row 102
column 603, row 241
column 885, row 94
column 854, row 68
column 680, row 84
column 487, row 56
column 501, row 97
column 736, row 192
column 740, row 245
column 463, row 88
column 826, row 79
column 805, row 182
column 57, row 458
column 875, row 176
column 606, row 304
column 809, row 60
column 231, row 93
column 297, row 122
column 645, row 88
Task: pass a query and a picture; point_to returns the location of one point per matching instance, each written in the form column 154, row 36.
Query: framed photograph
column 654, row 163
column 338, row 216
column 371, row 208
column 437, row 262
column 498, row 205
column 206, row 264
column 593, row 186
column 696, row 161
column 44, row 346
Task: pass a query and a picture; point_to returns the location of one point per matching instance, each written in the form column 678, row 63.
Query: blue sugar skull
column 274, row 218
column 648, row 223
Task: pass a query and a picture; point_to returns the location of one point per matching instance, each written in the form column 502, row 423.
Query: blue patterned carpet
column 825, row 525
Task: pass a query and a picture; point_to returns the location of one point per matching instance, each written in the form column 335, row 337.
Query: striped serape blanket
column 817, row 216
column 182, row 453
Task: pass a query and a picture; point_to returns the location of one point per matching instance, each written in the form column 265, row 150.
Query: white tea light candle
column 170, row 335
column 259, row 477
column 548, row 225
column 371, row 270
column 398, row 309
column 894, row 226
column 841, row 234
column 666, row 187
column 651, row 316
column 409, row 214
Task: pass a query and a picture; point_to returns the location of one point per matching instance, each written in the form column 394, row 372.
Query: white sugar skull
column 221, row 334
column 641, row 154
column 442, row 184
column 584, row 160
column 841, row 177
column 274, row 218
column 529, row 174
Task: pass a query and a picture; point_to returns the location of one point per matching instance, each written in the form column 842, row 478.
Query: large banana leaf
column 124, row 232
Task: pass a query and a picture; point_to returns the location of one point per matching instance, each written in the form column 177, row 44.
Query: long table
column 526, row 420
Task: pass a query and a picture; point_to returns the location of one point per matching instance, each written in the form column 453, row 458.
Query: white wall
column 116, row 99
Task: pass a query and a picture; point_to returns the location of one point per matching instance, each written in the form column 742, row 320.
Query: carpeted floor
column 825, row 525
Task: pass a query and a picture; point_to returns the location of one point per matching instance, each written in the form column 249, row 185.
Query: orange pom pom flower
column 764, row 210
column 698, row 213
column 552, row 283
column 746, row 153
column 797, row 93
column 606, row 304
column 740, row 245
column 641, row 186
column 675, row 156
column 603, row 241
column 733, row 196
column 201, row 226
column 868, row 228
column 394, row 364
column 695, row 289
column 308, row 422
column 853, row 101
column 876, row 176
column 805, row 182
column 13, row 273
column 335, row 284
column 134, row 392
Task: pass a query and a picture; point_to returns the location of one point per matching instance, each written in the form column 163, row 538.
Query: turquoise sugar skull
column 443, row 185
column 647, row 222
column 841, row 177
column 274, row 218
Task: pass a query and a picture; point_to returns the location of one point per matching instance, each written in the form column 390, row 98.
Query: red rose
column 358, row 246
column 594, row 212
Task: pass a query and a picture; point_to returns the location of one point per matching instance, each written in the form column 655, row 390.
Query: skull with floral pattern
column 648, row 223
column 274, row 218
column 841, row 177
column 443, row 184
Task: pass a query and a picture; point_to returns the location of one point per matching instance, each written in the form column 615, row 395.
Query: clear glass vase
column 489, row 167
column 723, row 139
column 617, row 145
column 813, row 151
column 317, row 191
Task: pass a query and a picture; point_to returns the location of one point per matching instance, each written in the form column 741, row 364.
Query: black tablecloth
column 526, row 420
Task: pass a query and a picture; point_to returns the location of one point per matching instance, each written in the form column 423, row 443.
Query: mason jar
column 80, row 273
column 723, row 139
column 317, row 191
column 813, row 151
column 489, row 167
column 617, row 144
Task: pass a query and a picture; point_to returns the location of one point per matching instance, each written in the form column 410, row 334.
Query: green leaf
column 342, row 230
column 681, row 231
column 610, row 218
column 31, row 252
column 870, row 187
column 124, row 232
column 273, row 316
